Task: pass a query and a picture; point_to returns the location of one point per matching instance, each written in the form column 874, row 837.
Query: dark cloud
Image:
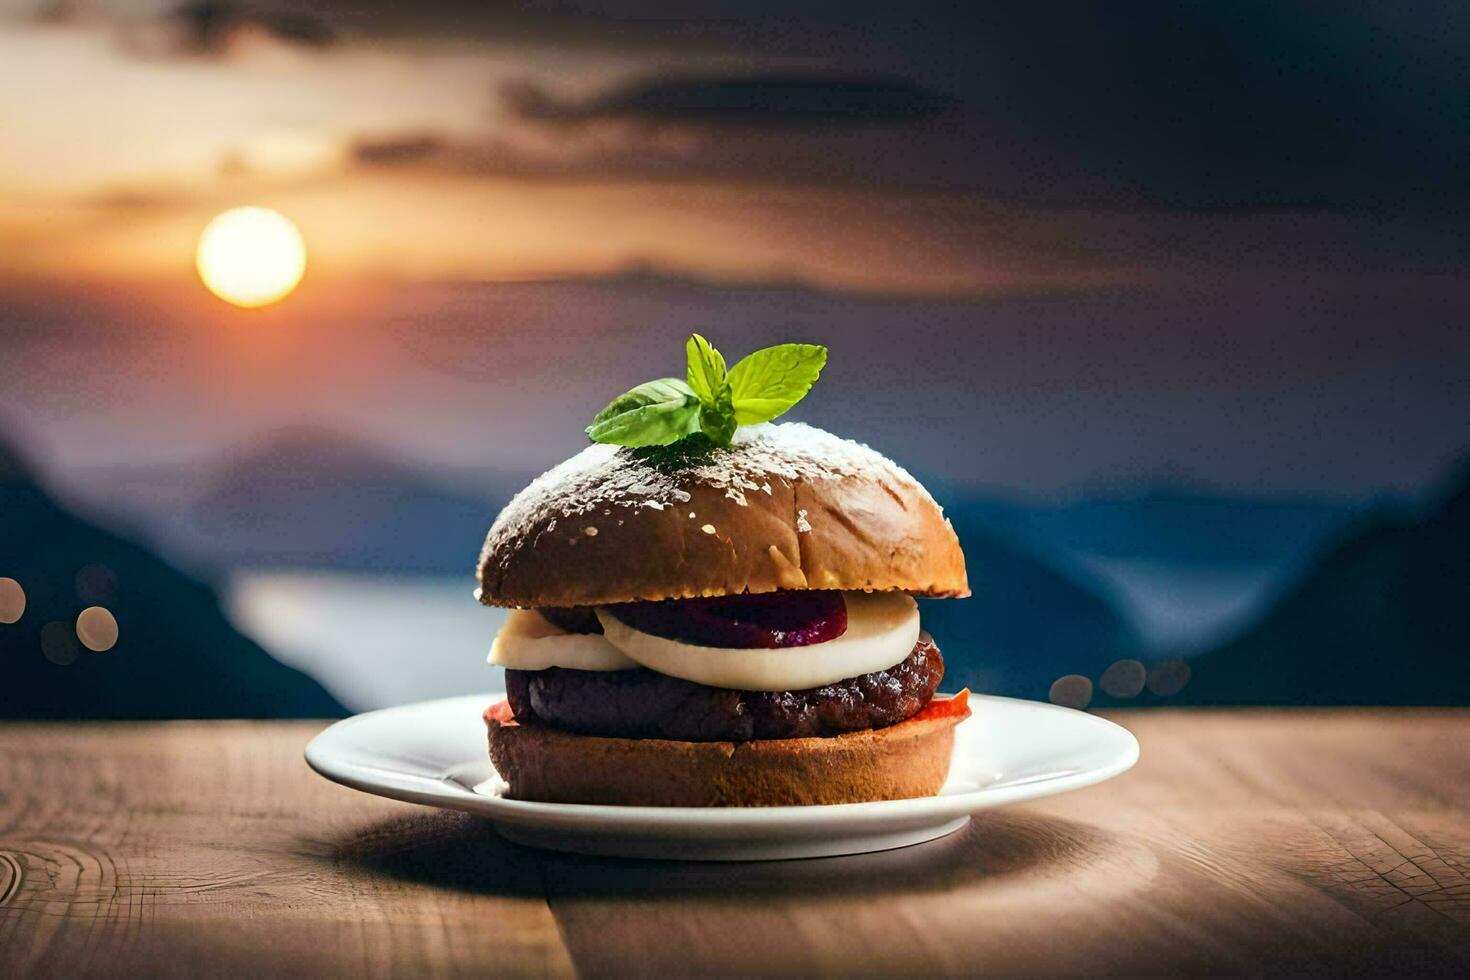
column 415, row 148
column 217, row 28
column 125, row 201
column 493, row 156
column 208, row 26
column 627, row 156
column 1195, row 105
column 870, row 157
column 766, row 128
column 799, row 100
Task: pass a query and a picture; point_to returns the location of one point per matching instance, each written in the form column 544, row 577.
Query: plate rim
column 446, row 792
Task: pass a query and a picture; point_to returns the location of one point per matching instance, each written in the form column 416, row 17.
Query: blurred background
column 1167, row 303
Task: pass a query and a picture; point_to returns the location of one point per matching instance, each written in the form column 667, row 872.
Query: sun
column 251, row 256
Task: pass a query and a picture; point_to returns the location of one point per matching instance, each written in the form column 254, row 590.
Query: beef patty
column 644, row 704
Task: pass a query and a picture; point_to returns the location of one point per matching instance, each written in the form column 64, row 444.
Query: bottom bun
column 899, row 762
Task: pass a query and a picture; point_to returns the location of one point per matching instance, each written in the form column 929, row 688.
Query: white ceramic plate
column 435, row 753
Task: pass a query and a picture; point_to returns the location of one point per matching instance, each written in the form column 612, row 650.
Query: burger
column 712, row 609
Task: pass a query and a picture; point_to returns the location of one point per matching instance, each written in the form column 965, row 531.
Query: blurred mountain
column 1175, row 524
column 1381, row 617
column 1186, row 567
column 311, row 498
column 175, row 654
column 1025, row 624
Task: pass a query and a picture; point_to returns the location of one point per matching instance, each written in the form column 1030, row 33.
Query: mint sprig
column 712, row 400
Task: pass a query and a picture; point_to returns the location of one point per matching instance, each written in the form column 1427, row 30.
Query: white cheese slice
column 882, row 628
column 528, row 641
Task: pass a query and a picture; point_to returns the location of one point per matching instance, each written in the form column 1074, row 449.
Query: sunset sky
column 1224, row 241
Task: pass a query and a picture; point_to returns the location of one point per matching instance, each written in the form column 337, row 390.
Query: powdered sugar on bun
column 681, row 521
column 602, row 476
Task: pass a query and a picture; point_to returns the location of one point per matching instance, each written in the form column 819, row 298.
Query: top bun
column 785, row 506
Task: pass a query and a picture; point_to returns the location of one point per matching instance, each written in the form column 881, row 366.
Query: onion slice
column 528, row 641
column 882, row 628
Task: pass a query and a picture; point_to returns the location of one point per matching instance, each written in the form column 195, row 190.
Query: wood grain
column 1243, row 842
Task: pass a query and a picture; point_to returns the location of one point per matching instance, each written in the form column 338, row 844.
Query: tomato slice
column 954, row 706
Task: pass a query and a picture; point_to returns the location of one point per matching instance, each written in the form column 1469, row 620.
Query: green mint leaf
column 717, row 418
column 714, row 401
column 655, row 413
column 768, row 382
column 706, row 368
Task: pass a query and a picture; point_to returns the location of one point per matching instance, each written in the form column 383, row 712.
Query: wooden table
column 1242, row 842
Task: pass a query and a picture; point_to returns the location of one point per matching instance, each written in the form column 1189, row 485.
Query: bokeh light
column 97, row 629
column 1071, row 691
column 59, row 644
column 251, row 256
column 1123, row 679
column 12, row 601
column 1168, row 677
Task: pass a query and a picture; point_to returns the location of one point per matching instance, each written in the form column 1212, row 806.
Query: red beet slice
column 768, row 621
